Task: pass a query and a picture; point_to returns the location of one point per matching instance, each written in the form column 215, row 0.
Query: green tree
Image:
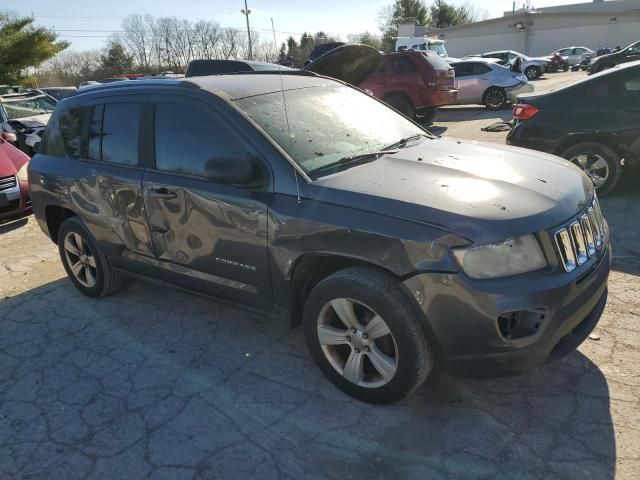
column 115, row 60
column 402, row 11
column 443, row 14
column 22, row 45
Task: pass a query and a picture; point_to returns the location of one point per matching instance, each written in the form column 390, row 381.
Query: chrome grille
column 582, row 238
column 7, row 182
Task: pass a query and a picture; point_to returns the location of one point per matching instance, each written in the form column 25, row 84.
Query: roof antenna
column 286, row 113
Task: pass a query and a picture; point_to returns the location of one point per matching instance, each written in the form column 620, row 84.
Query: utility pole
column 246, row 13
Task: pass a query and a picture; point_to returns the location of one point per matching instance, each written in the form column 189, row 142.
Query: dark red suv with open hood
column 14, row 185
column 414, row 83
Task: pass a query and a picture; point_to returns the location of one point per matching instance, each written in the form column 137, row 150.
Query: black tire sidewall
column 610, row 156
column 402, row 105
column 75, row 225
column 414, row 349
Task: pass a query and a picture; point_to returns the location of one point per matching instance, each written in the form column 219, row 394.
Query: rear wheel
column 600, row 162
column 365, row 337
column 495, row 98
column 402, row 105
column 428, row 114
column 87, row 267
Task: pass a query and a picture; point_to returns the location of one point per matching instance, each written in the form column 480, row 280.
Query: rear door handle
column 162, row 192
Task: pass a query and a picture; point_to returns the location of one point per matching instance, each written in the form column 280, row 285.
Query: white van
column 423, row 43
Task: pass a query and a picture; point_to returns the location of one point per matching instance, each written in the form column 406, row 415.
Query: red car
column 14, row 184
column 413, row 82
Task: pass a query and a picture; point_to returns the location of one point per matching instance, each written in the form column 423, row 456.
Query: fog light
column 520, row 324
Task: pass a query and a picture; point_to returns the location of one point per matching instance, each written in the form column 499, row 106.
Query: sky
column 88, row 23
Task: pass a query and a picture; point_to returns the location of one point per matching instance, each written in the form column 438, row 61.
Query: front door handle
column 162, row 192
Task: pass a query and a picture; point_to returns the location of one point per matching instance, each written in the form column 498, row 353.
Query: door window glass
column 462, row 69
column 186, row 137
column 120, row 127
column 403, row 65
column 72, row 129
column 479, row 68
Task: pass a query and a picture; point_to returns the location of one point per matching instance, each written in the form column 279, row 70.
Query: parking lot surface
column 155, row 383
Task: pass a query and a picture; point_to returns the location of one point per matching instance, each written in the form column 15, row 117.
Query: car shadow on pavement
column 152, row 381
column 620, row 208
column 471, row 112
column 10, row 225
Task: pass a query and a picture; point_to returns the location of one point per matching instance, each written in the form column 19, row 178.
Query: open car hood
column 349, row 63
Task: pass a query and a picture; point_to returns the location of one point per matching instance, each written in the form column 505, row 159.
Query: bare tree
column 139, row 37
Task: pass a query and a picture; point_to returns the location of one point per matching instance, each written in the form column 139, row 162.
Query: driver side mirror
column 235, row 169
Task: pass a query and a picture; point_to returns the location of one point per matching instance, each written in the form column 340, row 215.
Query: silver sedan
column 485, row 82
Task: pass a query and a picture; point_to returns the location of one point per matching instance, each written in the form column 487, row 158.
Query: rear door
column 206, row 236
column 472, row 78
column 103, row 140
column 404, row 74
column 624, row 94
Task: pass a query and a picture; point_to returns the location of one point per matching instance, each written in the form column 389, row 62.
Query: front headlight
column 22, row 173
column 514, row 256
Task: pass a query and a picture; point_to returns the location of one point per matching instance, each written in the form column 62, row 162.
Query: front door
column 205, row 236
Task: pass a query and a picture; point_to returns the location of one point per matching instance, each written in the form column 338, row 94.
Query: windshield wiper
column 353, row 160
column 403, row 141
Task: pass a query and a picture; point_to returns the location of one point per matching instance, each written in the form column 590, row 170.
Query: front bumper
column 519, row 89
column 15, row 201
column 462, row 316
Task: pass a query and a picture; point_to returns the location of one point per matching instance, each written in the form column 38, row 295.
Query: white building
column 541, row 31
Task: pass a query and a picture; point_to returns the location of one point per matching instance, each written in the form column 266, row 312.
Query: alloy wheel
column 358, row 343
column 80, row 259
column 594, row 165
column 495, row 99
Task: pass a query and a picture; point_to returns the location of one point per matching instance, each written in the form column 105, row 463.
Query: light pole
column 246, row 13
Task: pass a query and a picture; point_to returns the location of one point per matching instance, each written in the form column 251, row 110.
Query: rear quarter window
column 67, row 133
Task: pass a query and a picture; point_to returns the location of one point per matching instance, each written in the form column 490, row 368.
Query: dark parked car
column 201, row 68
column 413, row 82
column 603, row 62
column 594, row 123
column 14, row 184
column 395, row 249
column 23, row 118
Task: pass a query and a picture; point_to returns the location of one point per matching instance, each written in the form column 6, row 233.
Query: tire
column 93, row 266
column 532, row 72
column 585, row 155
column 565, row 67
column 495, row 98
column 402, row 105
column 428, row 114
column 367, row 293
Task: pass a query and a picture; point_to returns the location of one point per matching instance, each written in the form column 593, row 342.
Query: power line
column 85, row 17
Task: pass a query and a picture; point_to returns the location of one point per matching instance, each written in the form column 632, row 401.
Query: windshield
column 439, row 49
column 28, row 107
column 327, row 123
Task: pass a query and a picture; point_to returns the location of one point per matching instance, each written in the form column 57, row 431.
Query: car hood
column 35, row 121
column 11, row 159
column 349, row 63
column 481, row 191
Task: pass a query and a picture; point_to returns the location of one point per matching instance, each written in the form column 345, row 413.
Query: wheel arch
column 401, row 94
column 311, row 268
column 55, row 215
column 572, row 140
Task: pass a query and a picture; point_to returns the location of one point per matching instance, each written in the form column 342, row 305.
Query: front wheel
column 365, row 337
column 532, row 73
column 600, row 162
column 428, row 114
column 495, row 98
column 87, row 267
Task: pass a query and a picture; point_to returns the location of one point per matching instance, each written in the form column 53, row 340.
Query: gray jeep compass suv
column 299, row 195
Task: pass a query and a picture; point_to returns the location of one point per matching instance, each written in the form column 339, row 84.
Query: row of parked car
column 593, row 124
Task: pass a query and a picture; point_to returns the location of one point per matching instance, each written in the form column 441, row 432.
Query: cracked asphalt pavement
column 159, row 384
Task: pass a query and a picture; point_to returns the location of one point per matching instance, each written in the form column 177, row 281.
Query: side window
column 120, row 125
column 186, row 137
column 67, row 135
column 462, row 69
column 403, row 65
column 479, row 69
